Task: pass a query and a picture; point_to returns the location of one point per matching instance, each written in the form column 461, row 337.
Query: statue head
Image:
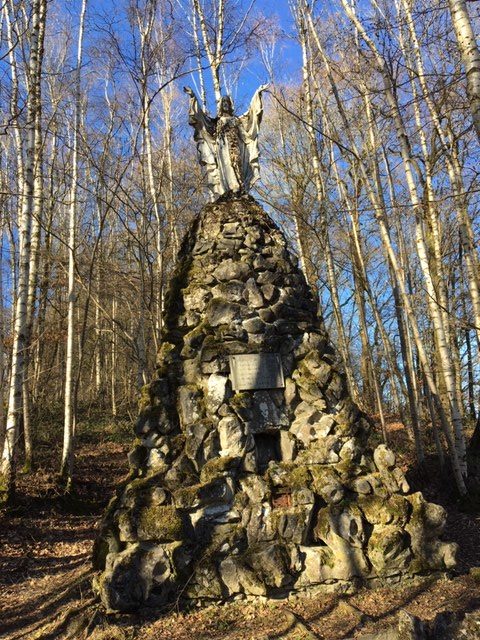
column 226, row 106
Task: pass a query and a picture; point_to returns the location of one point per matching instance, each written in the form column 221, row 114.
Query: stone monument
column 253, row 473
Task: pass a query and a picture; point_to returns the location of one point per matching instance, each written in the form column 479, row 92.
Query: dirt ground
column 45, row 577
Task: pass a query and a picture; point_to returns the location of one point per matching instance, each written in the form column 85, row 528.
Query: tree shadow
column 40, row 607
column 463, row 522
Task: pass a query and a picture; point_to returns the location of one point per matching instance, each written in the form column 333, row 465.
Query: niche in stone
column 267, row 448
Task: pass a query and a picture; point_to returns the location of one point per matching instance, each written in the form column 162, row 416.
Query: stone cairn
column 261, row 492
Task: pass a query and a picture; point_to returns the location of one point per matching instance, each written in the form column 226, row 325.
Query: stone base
column 259, row 492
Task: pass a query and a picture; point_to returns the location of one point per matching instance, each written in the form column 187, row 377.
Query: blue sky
column 287, row 54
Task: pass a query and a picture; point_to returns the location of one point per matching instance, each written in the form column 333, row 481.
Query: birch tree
column 8, row 463
column 66, row 468
column 470, row 54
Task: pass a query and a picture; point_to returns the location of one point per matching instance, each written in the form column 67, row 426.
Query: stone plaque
column 256, row 371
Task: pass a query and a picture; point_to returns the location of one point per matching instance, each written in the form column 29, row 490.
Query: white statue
column 227, row 145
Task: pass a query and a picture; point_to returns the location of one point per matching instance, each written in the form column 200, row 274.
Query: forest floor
column 45, row 577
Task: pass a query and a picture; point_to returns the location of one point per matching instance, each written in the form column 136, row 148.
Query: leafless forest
column 370, row 165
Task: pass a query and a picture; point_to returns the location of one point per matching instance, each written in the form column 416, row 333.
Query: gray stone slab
column 256, row 371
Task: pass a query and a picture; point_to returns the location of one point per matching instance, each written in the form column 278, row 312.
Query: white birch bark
column 98, row 342
column 113, row 355
column 213, row 49
column 8, row 462
column 66, row 469
column 14, row 108
column 454, row 172
column 379, row 211
column 470, row 54
column 2, row 337
column 37, row 216
column 167, row 99
column 198, row 55
column 320, row 192
column 156, row 210
column 443, row 346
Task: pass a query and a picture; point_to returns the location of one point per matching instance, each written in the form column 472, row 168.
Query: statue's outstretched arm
column 259, row 91
column 253, row 116
column 189, row 91
column 196, row 116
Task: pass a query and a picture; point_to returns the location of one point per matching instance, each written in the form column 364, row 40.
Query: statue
column 227, row 145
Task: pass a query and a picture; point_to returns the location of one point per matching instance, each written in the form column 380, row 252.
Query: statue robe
column 227, row 146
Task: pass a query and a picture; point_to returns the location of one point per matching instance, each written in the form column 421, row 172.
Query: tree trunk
column 321, row 199
column 37, row 222
column 379, row 210
column 66, row 469
column 470, row 54
column 446, row 371
column 8, row 464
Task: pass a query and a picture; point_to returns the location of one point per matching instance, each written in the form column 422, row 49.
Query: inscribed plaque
column 256, row 371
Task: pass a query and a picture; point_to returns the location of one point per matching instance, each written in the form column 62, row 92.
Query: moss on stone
column 475, row 573
column 395, row 510
column 138, row 456
column 221, row 539
column 240, row 400
column 194, row 338
column 151, row 413
column 419, row 565
column 217, row 467
column 241, row 501
column 323, row 476
column 137, row 491
column 107, row 540
column 158, row 522
column 177, row 443
column 186, row 497
column 144, row 400
column 294, row 475
column 322, row 525
column 347, row 470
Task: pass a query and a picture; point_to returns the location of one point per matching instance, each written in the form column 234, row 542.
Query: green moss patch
column 218, row 466
column 162, row 523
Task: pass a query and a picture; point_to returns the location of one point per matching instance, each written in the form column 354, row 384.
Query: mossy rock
column 202, row 493
column 394, row 510
column 137, row 457
column 231, row 536
column 186, row 497
column 149, row 413
column 241, row 403
column 160, row 523
column 138, row 492
column 389, row 550
column 154, row 404
column 145, row 399
column 107, row 542
column 323, row 476
column 218, row 467
column 293, row 475
column 323, row 526
column 347, row 471
column 195, row 338
column 314, row 368
column 241, row 501
column 475, row 573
